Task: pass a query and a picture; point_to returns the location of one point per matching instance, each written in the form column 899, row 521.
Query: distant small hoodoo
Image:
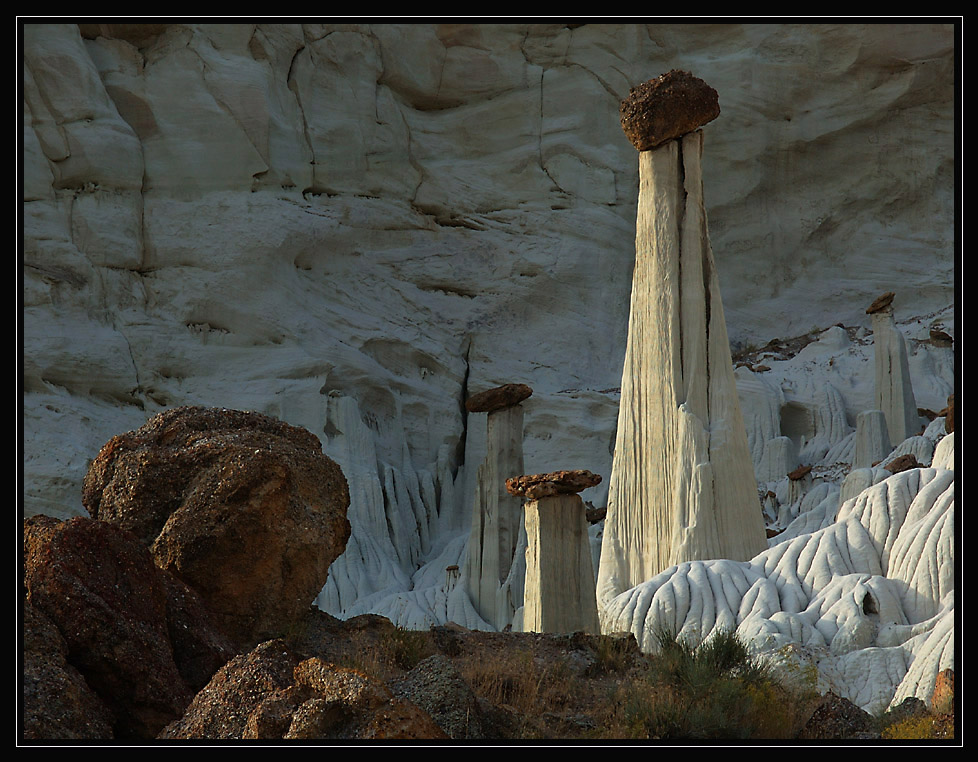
column 496, row 514
column 894, row 390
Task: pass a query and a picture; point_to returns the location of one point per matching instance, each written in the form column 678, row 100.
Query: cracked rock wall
column 256, row 215
column 347, row 226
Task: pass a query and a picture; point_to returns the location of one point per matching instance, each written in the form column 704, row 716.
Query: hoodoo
column 559, row 591
column 496, row 514
column 682, row 484
column 894, row 390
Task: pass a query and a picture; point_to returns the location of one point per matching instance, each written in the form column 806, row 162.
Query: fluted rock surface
column 682, row 484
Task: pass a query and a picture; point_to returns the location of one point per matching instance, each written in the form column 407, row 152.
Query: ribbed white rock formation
column 559, row 591
column 396, row 514
column 682, row 484
column 870, row 596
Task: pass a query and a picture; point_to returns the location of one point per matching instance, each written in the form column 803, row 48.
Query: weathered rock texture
column 140, row 639
column 254, row 215
column 244, row 508
column 276, row 694
column 872, row 439
column 346, row 226
column 498, row 398
column 58, row 703
column 559, row 591
column 868, row 597
column 666, row 108
column 682, row 484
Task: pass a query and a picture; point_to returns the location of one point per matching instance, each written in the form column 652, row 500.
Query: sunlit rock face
column 682, row 485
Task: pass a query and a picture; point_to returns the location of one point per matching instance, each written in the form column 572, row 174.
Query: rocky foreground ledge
column 122, row 642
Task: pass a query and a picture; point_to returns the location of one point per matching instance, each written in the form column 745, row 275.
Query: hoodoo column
column 682, row 484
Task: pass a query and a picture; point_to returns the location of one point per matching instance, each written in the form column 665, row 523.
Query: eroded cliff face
column 261, row 216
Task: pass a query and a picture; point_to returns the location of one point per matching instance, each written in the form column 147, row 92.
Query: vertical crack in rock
column 294, row 87
column 680, row 217
column 464, row 395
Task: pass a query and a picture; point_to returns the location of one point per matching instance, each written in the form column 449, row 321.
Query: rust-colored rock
column 902, row 463
column 940, row 338
column 942, row 699
column 501, row 397
column 880, row 303
column 222, row 709
column 594, row 515
column 535, row 486
column 800, row 473
column 948, row 414
column 244, row 508
column 140, row 638
column 666, row 108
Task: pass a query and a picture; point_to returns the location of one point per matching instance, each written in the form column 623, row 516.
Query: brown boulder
column 942, row 699
column 116, row 612
column 498, row 398
column 666, row 108
column 244, row 508
column 800, row 473
column 222, row 708
column 535, row 486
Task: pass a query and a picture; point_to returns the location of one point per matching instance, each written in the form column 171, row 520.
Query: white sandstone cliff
column 346, row 225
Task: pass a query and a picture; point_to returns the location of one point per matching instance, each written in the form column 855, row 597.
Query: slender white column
column 682, row 483
column 894, row 390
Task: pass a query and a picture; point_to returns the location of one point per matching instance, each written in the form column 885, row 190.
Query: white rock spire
column 894, row 390
column 682, row 485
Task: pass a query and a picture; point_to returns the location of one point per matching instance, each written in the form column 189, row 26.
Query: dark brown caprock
column 880, row 303
column 501, row 397
column 800, row 473
column 666, row 108
column 535, row 486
